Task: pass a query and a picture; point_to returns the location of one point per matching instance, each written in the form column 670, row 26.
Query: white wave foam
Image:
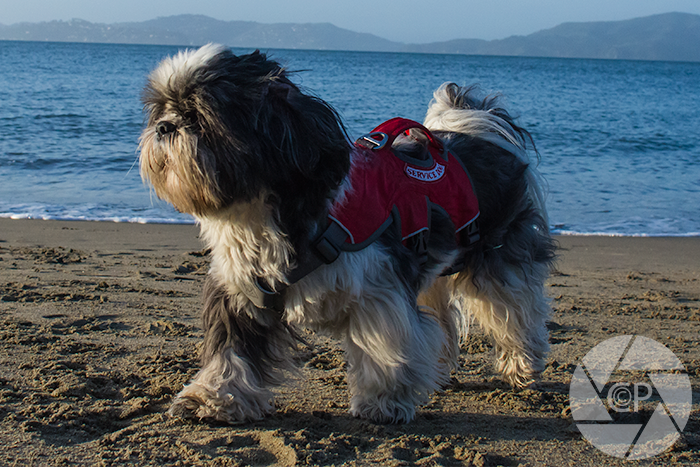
column 125, row 214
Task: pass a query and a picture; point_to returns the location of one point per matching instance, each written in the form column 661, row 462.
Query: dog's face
column 223, row 128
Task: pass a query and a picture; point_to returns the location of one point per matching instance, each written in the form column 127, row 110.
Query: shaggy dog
column 262, row 165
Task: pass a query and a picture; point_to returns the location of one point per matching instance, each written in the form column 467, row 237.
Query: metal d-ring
column 377, row 138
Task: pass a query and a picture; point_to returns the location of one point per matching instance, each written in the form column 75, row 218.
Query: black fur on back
column 513, row 230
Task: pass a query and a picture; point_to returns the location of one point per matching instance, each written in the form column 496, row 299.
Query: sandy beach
column 99, row 328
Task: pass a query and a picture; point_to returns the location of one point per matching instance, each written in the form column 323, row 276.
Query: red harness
column 387, row 189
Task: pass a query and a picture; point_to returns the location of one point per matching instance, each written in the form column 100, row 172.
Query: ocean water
column 618, row 141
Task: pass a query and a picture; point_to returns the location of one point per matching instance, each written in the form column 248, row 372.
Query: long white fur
column 393, row 350
column 246, row 242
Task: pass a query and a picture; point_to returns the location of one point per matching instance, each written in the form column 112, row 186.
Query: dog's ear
column 280, row 89
column 305, row 131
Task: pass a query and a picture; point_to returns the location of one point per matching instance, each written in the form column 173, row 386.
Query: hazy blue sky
column 406, row 20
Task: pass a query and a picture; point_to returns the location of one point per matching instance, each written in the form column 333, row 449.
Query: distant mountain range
column 670, row 36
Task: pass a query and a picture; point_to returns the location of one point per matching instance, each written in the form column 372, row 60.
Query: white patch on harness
column 426, row 175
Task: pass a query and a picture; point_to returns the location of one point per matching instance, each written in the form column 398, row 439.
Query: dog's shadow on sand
column 449, row 436
column 487, row 409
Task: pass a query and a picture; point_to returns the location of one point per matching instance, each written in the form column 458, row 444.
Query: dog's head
column 223, row 128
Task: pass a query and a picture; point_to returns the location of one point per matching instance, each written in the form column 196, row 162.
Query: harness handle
column 396, row 126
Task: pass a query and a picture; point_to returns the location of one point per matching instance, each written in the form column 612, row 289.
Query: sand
column 99, row 328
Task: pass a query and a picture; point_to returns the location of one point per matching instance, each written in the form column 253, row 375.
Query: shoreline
column 611, row 251
column 190, row 221
column 100, row 328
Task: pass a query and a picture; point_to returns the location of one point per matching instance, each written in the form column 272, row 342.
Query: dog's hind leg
column 437, row 300
column 244, row 351
column 509, row 303
column 394, row 355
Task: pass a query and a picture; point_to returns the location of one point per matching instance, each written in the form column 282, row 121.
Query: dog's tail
column 459, row 109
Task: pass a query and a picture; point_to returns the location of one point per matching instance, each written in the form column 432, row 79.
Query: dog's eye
column 191, row 117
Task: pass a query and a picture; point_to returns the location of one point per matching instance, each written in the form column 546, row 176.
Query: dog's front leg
column 245, row 349
column 394, row 356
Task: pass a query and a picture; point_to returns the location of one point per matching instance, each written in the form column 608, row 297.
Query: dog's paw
column 518, row 369
column 383, row 412
column 184, row 407
column 194, row 401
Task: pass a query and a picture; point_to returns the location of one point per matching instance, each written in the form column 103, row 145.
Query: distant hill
column 198, row 30
column 670, row 36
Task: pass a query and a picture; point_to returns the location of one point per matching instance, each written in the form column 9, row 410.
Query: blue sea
column 619, row 141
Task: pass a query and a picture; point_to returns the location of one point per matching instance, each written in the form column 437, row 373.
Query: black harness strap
column 324, row 250
column 469, row 236
column 327, row 248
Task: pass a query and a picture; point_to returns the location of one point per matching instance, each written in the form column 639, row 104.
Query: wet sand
column 99, row 328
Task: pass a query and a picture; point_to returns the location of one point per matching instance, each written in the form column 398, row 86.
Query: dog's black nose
column 165, row 128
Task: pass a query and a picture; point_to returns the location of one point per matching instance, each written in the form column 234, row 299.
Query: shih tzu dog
column 393, row 244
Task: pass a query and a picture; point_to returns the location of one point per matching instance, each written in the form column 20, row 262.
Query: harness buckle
column 328, row 245
column 419, row 245
column 327, row 250
column 472, row 233
column 263, row 296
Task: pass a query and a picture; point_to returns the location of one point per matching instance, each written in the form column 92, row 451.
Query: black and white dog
column 261, row 166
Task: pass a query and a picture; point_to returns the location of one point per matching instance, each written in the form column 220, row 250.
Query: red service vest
column 382, row 183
